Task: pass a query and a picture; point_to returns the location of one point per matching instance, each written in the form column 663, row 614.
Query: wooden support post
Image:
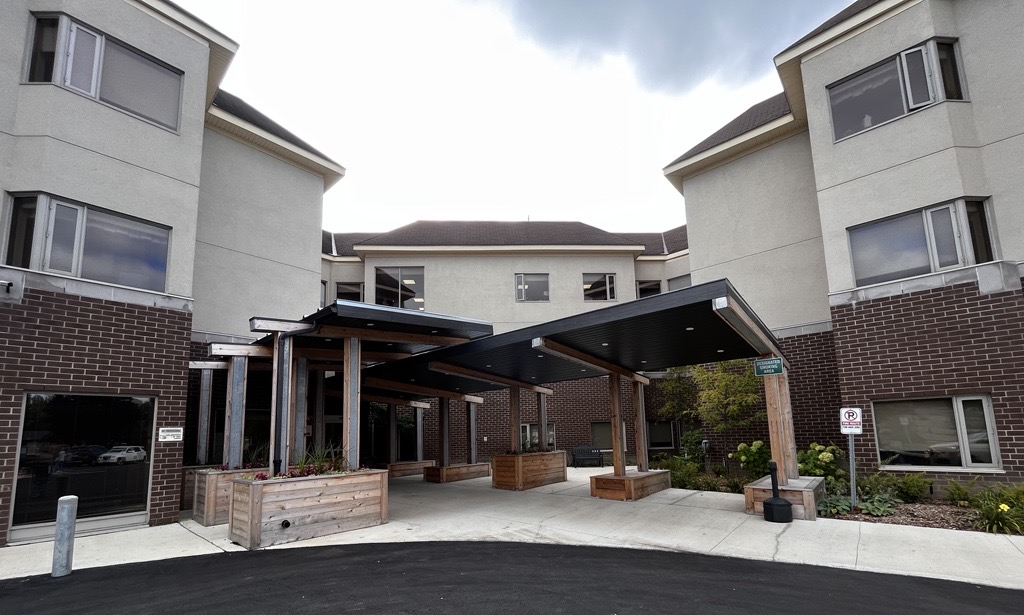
column 280, row 405
column 350, row 401
column 470, row 432
column 618, row 437
column 392, row 433
column 234, row 418
column 205, row 393
column 780, row 426
column 443, row 450
column 419, row 433
column 513, row 419
column 641, row 426
column 542, row 421
column 300, row 397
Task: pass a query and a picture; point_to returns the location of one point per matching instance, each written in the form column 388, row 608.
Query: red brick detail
column 55, row 342
column 936, row 343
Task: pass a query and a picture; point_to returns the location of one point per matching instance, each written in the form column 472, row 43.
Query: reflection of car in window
column 123, row 454
column 949, row 452
column 86, row 455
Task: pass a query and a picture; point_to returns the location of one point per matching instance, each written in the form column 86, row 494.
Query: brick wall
column 65, row 343
column 814, row 388
column 936, row 343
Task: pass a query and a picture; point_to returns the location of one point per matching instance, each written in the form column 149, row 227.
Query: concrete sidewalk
column 564, row 513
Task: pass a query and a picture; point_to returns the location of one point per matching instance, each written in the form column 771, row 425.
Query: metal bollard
column 64, row 538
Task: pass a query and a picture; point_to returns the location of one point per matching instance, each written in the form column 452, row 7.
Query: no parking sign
column 850, row 421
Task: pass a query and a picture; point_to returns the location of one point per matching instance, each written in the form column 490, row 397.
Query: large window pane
column 598, row 287
column 400, row 287
column 63, row 236
column 350, row 291
column 647, row 288
column 918, row 86
column 950, row 71
column 123, row 251
column 82, row 59
column 659, row 434
column 601, row 434
column 61, row 453
column 19, row 240
column 866, row 100
column 890, row 250
column 140, row 85
column 976, row 430
column 911, row 432
column 981, row 241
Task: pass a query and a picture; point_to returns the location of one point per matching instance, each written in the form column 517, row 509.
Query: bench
column 585, row 454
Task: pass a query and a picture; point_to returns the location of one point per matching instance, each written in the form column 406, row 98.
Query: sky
column 506, row 109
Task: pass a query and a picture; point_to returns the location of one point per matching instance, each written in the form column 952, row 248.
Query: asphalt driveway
column 482, row 578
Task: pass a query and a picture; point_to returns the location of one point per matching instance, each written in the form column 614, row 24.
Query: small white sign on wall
column 850, row 421
column 171, row 434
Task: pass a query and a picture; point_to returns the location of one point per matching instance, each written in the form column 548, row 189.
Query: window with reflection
column 400, row 287
column 94, row 446
column 949, row 431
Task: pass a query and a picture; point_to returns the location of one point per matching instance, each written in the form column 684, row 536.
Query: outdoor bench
column 587, row 453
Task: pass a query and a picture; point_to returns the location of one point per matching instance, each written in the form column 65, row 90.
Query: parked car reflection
column 87, row 455
column 123, row 454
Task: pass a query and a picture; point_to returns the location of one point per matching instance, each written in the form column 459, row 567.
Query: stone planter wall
column 276, row 511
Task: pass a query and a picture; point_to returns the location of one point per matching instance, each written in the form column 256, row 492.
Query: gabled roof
column 242, row 110
column 657, row 244
column 838, row 18
column 760, row 114
column 343, row 243
column 492, row 233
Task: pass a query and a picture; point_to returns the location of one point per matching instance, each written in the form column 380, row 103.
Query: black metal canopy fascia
column 682, row 327
column 357, row 315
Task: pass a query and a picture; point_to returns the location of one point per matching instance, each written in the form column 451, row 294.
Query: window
column 678, row 282
column 323, row 293
column 400, row 287
column 529, row 436
column 99, row 67
column 599, row 287
column 921, row 242
column 601, row 435
column 914, row 79
column 647, row 288
column 661, row 434
column 87, row 242
column 956, row 432
column 62, row 445
column 350, row 291
column 532, row 287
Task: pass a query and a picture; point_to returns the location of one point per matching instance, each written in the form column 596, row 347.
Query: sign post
column 850, row 423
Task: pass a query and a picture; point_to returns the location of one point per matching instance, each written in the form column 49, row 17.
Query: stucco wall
column 257, row 239
column 482, row 286
column 755, row 221
column 934, row 155
column 78, row 148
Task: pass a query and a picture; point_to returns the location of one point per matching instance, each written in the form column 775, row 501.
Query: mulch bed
column 944, row 516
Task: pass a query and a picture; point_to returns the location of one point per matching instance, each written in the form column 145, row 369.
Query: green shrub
column 681, row 470
column 820, row 460
column 874, row 484
column 879, row 504
column 690, row 445
column 911, row 488
column 834, row 504
column 998, row 517
column 960, row 495
column 753, row 458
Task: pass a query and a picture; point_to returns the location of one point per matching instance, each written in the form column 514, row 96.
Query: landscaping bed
column 945, row 516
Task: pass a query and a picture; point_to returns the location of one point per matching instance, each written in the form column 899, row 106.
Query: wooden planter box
column 211, row 501
column 526, row 471
column 409, row 468
column 631, row 487
column 276, row 511
column 452, row 473
column 803, row 493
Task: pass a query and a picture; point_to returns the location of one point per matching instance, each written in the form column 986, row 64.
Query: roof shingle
column 492, row 233
column 760, row 114
column 244, row 111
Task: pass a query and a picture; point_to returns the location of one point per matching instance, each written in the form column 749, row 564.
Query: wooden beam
column 378, row 357
column 618, row 438
column 513, row 419
column 472, row 374
column 730, row 310
column 641, row 427
column 240, row 350
column 351, row 401
column 420, row 390
column 208, row 364
column 551, row 347
column 369, row 334
column 444, row 458
column 397, row 401
column 276, row 325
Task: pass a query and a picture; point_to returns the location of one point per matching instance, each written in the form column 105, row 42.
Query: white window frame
column 361, row 285
column 525, row 429
column 962, row 438
column 76, row 254
column 521, row 288
column 674, row 435
column 74, row 28
column 933, row 76
column 609, row 285
column 961, row 232
column 63, row 64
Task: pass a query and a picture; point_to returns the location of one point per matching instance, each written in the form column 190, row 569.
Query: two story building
column 143, row 213
column 870, row 213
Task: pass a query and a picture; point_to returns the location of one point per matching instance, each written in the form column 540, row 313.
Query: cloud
column 673, row 44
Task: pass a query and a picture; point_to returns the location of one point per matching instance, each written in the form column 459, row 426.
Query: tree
column 722, row 396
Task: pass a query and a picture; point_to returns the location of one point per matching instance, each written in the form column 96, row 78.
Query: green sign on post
column 768, row 367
